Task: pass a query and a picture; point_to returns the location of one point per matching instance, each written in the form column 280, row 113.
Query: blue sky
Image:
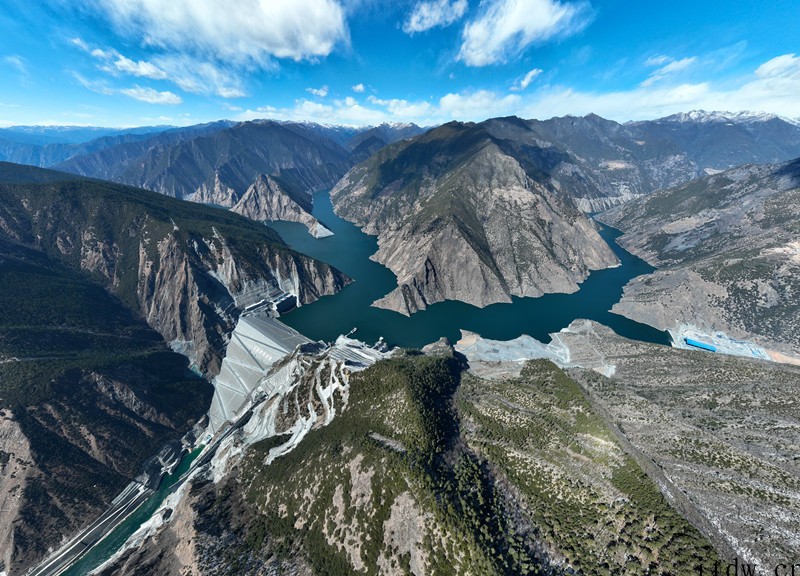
column 145, row 62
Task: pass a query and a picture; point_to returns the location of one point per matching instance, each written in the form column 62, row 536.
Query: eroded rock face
column 190, row 296
column 459, row 219
column 266, row 200
column 16, row 465
column 186, row 268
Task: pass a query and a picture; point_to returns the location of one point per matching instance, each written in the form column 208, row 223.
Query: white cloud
column 345, row 112
column 252, row 31
column 139, row 68
column 99, row 86
column 781, row 66
column 433, row 14
column 772, row 87
column 80, row 44
column 186, row 72
column 321, row 92
column 358, row 88
column 526, row 80
column 659, row 60
column 17, row 62
column 669, row 67
column 151, row 96
column 399, row 109
column 201, row 77
column 477, row 105
column 505, row 28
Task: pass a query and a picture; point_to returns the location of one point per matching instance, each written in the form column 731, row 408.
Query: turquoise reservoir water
column 114, row 541
column 349, row 250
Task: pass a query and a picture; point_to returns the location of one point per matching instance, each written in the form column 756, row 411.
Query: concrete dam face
column 257, row 343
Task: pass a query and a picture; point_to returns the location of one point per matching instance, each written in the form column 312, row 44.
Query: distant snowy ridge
column 743, row 117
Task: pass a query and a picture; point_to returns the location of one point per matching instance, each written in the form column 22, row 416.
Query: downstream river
column 349, row 251
column 114, row 541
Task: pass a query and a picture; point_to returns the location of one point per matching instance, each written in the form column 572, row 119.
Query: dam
column 257, row 343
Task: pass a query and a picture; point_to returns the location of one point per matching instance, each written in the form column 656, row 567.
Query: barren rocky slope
column 728, row 250
column 457, row 217
column 266, row 199
column 182, row 265
column 601, row 163
column 227, row 164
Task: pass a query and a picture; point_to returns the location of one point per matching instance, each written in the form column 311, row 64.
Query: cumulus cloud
column 504, row 28
column 526, row 80
column 349, row 112
column 433, row 14
column 358, row 88
column 772, row 87
column 254, row 32
column 466, row 106
column 321, row 92
column 668, row 67
column 151, row 96
column 400, row 109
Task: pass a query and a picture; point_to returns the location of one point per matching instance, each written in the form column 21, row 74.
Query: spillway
column 257, row 343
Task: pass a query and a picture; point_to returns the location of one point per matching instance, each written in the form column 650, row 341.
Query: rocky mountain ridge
column 601, row 163
column 221, row 165
column 459, row 217
column 184, row 266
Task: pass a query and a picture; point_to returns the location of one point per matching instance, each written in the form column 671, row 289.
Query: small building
column 701, row 345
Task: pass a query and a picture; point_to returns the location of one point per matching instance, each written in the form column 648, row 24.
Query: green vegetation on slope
column 52, row 210
column 590, row 501
column 427, row 471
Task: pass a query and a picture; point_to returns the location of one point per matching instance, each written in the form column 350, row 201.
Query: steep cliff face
column 218, row 166
column 184, row 266
column 16, row 465
column 728, row 252
column 266, row 199
column 459, row 218
column 87, row 392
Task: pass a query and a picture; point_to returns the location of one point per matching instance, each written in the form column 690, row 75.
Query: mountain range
column 119, row 300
